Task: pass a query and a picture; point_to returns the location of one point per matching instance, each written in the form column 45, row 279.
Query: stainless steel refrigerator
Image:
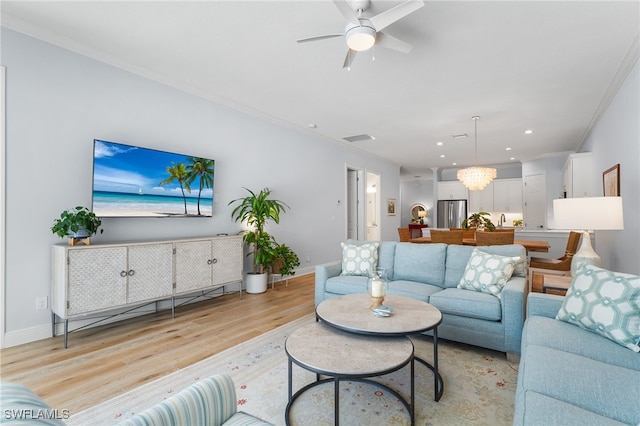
column 451, row 213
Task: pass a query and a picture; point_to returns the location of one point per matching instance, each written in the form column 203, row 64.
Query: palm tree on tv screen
column 201, row 168
column 179, row 173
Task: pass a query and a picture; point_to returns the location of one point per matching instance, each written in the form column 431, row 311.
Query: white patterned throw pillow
column 606, row 303
column 487, row 273
column 359, row 259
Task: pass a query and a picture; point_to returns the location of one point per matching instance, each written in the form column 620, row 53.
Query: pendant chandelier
column 476, row 178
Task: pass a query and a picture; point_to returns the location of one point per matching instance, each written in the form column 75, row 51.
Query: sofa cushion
column 413, row 289
column 570, row 338
column 543, row 410
column 359, row 259
column 420, row 262
column 513, row 250
column 606, row 303
column 487, row 273
column 467, row 303
column 346, row 284
column 591, row 385
column 21, row 405
column 457, row 259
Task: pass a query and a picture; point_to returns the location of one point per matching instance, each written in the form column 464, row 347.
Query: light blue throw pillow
column 606, row 303
column 487, row 273
column 359, row 259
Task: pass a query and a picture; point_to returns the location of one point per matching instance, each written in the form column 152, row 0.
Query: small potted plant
column 78, row 223
column 285, row 260
column 479, row 220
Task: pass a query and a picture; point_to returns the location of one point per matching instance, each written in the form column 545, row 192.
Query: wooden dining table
column 529, row 245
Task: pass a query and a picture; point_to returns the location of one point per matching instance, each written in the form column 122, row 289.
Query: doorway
column 373, row 207
column 535, row 201
column 355, row 211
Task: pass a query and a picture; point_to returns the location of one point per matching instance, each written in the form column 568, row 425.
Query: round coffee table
column 360, row 357
column 351, row 313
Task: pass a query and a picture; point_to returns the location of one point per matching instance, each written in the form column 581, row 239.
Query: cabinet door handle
column 131, row 272
column 214, row 260
column 123, row 274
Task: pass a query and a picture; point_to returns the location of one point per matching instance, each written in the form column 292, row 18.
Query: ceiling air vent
column 358, row 138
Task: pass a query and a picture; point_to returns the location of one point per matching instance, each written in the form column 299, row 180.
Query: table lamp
column 587, row 214
column 422, row 214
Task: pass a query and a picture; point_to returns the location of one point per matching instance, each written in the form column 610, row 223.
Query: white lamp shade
column 360, row 38
column 588, row 213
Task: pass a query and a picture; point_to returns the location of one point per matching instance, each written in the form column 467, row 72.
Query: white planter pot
column 256, row 283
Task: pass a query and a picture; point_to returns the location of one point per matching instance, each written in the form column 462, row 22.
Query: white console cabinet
column 92, row 280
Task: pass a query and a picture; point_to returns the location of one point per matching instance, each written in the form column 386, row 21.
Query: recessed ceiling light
column 439, row 143
column 313, row 126
column 454, row 164
column 528, row 132
column 442, row 156
column 512, row 158
column 507, row 149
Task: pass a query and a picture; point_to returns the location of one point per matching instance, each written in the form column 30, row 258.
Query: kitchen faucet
column 502, row 220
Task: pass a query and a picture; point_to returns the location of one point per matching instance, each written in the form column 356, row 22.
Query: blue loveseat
column 571, row 376
column 431, row 272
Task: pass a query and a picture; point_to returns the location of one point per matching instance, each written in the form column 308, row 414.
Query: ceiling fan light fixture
column 360, row 38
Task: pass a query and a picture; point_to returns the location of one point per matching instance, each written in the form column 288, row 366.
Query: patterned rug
column 479, row 388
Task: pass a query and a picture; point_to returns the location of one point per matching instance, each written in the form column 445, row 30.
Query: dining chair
column 466, row 232
column 447, row 237
column 488, row 238
column 403, row 233
column 559, row 266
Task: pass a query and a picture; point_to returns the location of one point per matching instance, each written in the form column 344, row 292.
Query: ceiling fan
column 361, row 33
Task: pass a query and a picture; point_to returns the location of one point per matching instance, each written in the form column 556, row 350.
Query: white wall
column 58, row 102
column 616, row 140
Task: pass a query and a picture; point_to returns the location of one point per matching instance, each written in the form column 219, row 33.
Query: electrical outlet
column 42, row 303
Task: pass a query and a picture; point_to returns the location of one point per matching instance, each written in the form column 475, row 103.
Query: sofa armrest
column 543, row 305
column 323, row 273
column 513, row 312
column 211, row 401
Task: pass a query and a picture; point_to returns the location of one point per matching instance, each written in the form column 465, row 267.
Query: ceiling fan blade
column 390, row 42
column 347, row 11
column 322, row 37
column 388, row 17
column 351, row 54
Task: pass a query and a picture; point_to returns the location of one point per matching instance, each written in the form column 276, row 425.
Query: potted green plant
column 77, row 223
column 256, row 210
column 479, row 220
column 285, row 260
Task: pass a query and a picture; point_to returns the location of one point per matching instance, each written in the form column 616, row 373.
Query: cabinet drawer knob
column 123, row 274
column 209, row 261
column 214, row 260
column 131, row 272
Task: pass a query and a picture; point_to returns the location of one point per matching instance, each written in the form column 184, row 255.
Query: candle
column 376, row 288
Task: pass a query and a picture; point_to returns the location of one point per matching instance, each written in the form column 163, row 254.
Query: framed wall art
column 391, row 206
column 611, row 181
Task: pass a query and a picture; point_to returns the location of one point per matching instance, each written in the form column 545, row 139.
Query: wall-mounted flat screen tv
column 131, row 181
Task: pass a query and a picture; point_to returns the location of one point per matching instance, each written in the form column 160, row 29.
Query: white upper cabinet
column 452, row 190
column 507, row 195
column 481, row 201
column 578, row 176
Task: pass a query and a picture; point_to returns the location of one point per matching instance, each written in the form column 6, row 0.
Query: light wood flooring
column 105, row 361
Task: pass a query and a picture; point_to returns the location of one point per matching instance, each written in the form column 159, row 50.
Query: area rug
column 479, row 387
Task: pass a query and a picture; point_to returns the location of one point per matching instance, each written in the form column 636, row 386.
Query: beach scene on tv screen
column 134, row 181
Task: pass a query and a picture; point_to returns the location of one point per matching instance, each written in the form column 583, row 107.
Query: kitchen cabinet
column 578, row 176
column 89, row 281
column 507, row 195
column 481, row 201
column 452, row 190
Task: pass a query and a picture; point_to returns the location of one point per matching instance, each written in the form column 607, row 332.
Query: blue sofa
column 431, row 272
column 571, row 376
